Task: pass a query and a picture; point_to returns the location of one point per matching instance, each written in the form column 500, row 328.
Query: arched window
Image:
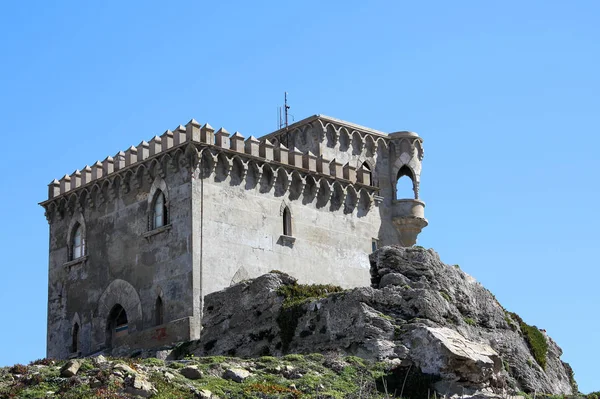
column 77, row 242
column 75, row 337
column 287, row 222
column 405, row 187
column 158, row 312
column 159, row 210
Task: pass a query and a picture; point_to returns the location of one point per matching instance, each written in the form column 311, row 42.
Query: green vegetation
column 299, row 293
column 445, row 296
column 470, row 321
column 295, row 297
column 535, row 340
column 293, row 377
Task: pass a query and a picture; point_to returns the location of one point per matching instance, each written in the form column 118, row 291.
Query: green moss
column 294, row 357
column 299, row 293
column 445, row 296
column 168, row 390
column 470, row 321
column 315, row 357
column 176, row 365
column 152, row 361
column 354, row 360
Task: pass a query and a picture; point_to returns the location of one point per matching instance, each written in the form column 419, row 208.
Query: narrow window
column 374, row 245
column 77, row 243
column 160, row 210
column 75, row 343
column 287, row 222
column 158, row 311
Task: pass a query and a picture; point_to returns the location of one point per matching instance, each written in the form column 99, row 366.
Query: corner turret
column 408, row 214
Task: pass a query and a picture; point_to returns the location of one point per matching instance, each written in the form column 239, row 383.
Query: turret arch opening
column 117, row 325
column 405, row 183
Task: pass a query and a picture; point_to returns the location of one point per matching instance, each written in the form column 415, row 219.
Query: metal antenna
column 287, row 107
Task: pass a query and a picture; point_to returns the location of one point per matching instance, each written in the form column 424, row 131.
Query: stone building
column 137, row 240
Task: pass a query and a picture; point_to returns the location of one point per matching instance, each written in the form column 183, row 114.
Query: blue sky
column 505, row 95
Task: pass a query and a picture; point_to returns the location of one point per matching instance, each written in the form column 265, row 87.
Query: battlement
column 268, row 148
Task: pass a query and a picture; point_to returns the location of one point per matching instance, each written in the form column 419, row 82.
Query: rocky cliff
column 437, row 327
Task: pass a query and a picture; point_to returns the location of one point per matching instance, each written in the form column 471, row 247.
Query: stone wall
column 122, row 264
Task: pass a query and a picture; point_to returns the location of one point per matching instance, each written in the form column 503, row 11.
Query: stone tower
column 137, row 240
column 408, row 214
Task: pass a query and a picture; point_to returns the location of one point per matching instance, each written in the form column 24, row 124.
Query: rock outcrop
column 430, row 320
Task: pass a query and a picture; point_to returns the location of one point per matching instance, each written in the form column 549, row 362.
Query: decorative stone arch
column 401, row 169
column 75, row 334
column 158, row 184
column 118, row 292
column 76, row 220
column 285, row 212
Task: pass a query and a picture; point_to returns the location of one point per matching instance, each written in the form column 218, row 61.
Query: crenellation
column 192, row 129
column 323, row 165
column 309, row 161
column 237, row 142
column 167, row 140
column 75, row 179
column 336, row 169
column 155, row 146
column 207, row 134
column 53, row 189
column 118, row 161
column 295, row 157
column 222, row 138
column 98, row 170
column 363, row 175
column 86, row 175
column 349, row 172
column 265, row 150
column 281, row 154
column 252, row 146
column 143, row 151
column 130, row 156
column 179, row 135
column 65, row 184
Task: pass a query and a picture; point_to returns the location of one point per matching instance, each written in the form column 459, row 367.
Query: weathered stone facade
column 137, row 240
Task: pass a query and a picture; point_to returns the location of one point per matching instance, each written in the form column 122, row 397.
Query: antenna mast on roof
column 283, row 122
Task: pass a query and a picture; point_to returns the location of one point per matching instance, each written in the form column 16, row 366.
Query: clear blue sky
column 505, row 95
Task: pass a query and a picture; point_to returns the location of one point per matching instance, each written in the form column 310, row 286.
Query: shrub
column 18, row 369
column 536, row 341
column 445, row 296
column 152, row 361
column 470, row 321
column 43, row 362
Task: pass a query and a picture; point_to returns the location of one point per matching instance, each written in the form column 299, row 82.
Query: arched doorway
column 117, row 325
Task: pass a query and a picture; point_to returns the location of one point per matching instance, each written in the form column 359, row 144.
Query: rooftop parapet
column 193, row 132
